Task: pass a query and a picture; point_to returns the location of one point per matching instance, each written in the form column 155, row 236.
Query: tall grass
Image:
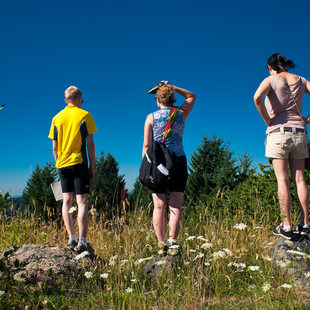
column 223, row 267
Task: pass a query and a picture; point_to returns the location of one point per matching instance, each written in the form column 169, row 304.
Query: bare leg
column 281, row 170
column 66, row 205
column 81, row 201
column 160, row 203
column 297, row 171
column 175, row 206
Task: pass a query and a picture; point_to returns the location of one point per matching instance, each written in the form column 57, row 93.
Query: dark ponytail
column 279, row 63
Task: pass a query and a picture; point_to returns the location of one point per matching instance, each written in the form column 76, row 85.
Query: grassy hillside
column 225, row 265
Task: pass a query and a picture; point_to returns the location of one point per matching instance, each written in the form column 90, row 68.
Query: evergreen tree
column 107, row 186
column 38, row 197
column 140, row 196
column 245, row 168
column 212, row 168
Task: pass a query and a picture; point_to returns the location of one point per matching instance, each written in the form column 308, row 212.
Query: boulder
column 35, row 263
column 160, row 265
column 294, row 257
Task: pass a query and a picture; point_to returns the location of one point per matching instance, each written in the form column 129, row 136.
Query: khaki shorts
column 285, row 145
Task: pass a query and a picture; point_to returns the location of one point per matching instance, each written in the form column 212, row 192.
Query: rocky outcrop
column 35, row 263
column 294, row 257
column 160, row 265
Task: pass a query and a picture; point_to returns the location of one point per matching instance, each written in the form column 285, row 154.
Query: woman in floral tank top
column 154, row 129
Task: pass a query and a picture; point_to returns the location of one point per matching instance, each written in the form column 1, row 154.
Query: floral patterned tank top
column 174, row 140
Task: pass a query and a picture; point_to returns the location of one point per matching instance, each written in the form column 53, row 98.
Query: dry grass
column 209, row 278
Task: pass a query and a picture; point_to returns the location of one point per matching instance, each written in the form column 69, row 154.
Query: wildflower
column 88, row 274
column 44, row 302
column 239, row 266
column 93, row 211
column 219, row 254
column 258, row 227
column 270, row 243
column 240, row 226
column 266, row 287
column 268, row 258
column 190, row 238
column 202, row 238
column 256, row 256
column 295, row 252
column 307, row 274
column 82, row 255
column 281, row 263
column 27, row 307
column 123, row 262
column 134, row 280
column 114, row 257
column 141, row 260
column 73, row 209
column 104, row 275
column 161, row 262
column 128, row 290
column 285, row 285
column 1, row 293
column 207, row 245
column 253, row 268
column 175, row 246
column 192, row 250
column 111, row 262
column 227, row 251
column 199, row 255
column 207, row 264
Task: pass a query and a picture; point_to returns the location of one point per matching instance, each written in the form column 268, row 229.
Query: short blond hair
column 165, row 95
column 73, row 93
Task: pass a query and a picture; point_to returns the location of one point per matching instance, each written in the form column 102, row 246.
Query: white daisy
column 266, row 287
column 240, row 226
column 72, row 209
column 202, row 238
column 207, row 245
column 219, row 254
column 88, row 274
column 253, row 268
column 128, row 290
column 285, row 285
column 104, row 275
column 190, row 238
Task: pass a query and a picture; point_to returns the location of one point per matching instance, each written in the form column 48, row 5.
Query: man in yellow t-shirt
column 72, row 132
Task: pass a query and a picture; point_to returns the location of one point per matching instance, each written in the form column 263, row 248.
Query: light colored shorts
column 285, row 145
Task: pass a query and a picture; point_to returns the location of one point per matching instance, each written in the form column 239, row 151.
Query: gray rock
column 294, row 257
column 35, row 263
column 161, row 265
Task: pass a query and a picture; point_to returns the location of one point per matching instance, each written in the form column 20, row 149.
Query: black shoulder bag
column 158, row 160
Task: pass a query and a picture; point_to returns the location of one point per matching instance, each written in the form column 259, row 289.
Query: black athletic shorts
column 75, row 179
column 178, row 179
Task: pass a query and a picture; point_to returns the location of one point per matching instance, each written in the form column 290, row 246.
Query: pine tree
column 140, row 196
column 107, row 186
column 38, row 197
column 212, row 168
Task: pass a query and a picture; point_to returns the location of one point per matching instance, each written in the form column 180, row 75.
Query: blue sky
column 115, row 51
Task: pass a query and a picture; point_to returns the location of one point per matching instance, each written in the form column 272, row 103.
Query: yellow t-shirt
column 70, row 127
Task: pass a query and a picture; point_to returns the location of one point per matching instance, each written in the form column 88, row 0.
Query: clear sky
column 115, row 50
